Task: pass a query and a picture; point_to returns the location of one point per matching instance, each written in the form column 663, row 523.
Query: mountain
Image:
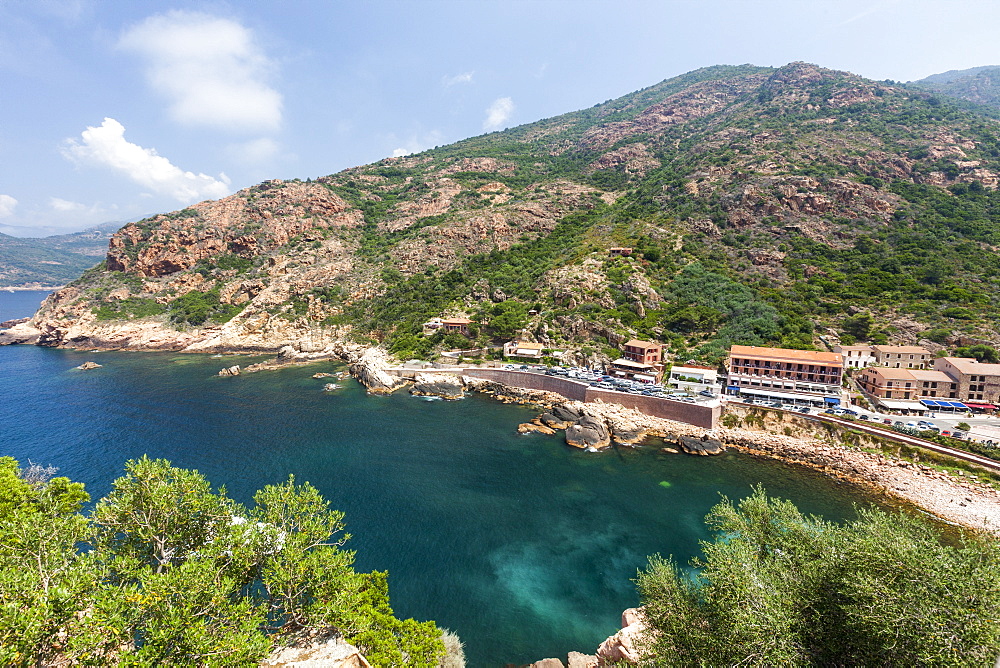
column 794, row 206
column 980, row 85
column 51, row 261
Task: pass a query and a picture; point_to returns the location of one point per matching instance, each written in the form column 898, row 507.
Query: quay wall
column 699, row 415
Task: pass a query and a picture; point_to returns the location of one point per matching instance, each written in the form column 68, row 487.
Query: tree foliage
column 175, row 573
column 780, row 588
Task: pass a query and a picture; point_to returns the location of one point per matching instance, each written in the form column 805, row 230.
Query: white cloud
column 65, row 205
column 498, row 113
column 7, row 204
column 106, row 145
column 464, row 77
column 210, row 68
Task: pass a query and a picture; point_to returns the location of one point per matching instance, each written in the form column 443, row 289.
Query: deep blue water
column 523, row 546
column 20, row 304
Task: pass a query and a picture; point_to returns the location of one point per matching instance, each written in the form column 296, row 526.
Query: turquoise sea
column 522, row 545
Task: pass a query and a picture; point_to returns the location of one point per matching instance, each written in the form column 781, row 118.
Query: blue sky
column 115, row 110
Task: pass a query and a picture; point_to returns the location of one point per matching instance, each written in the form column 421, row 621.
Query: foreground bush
column 779, row 588
column 168, row 572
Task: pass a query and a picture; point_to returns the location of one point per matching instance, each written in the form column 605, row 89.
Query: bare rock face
column 588, row 433
column 444, row 385
column 6, row 324
column 624, row 645
column 86, row 366
column 548, row 663
column 230, row 371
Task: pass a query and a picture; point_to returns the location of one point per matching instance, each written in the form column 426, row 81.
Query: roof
column 524, row 345
column 456, row 321
column 908, row 350
column 692, row 367
column 811, row 356
column 897, row 405
column 932, row 375
column 630, row 363
column 636, row 343
column 891, row 374
column 971, row 365
column 853, row 349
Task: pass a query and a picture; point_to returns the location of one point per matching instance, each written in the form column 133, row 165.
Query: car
column 911, row 425
column 958, row 434
column 897, row 423
column 805, row 410
column 707, row 393
column 946, row 433
column 887, row 421
column 847, row 411
column 524, row 367
column 864, row 417
column 936, row 430
column 925, row 423
column 605, row 385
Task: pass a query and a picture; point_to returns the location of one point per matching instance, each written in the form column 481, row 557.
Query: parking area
column 600, row 380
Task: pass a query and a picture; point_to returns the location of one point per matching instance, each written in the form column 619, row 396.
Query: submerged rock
column 444, row 385
column 529, row 427
column 86, row 366
column 323, row 374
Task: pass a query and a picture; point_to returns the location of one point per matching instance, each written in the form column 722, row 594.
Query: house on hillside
column 523, row 349
column 640, row 360
column 619, row 252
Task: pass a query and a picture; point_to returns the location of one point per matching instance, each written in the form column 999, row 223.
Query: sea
column 525, row 547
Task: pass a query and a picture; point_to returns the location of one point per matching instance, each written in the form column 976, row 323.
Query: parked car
column 911, row 425
column 958, row 434
column 864, row 417
column 887, row 421
column 847, row 411
column 805, row 410
column 707, row 393
column 946, row 433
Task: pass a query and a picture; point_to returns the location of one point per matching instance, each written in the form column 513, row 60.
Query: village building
column 693, row 377
column 902, row 357
column 856, row 357
column 978, row 383
column 910, row 391
column 619, row 252
column 523, row 349
column 641, row 360
column 458, row 325
column 781, row 374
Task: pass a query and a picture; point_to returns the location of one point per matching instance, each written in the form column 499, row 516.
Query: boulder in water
column 231, row 371
column 700, row 446
column 86, row 366
column 588, row 433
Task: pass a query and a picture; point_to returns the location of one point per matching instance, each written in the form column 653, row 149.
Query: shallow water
column 523, row 546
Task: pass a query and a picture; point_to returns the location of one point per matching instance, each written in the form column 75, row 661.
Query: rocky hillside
column 762, row 206
column 980, row 85
column 51, row 261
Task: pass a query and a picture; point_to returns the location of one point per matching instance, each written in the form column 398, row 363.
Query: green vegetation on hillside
column 165, row 571
column 776, row 588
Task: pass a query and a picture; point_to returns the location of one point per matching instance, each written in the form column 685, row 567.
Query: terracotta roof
column 456, row 321
column 905, row 350
column 932, row 375
column 630, row 363
column 971, row 365
column 811, row 356
column 891, row 374
column 522, row 345
column 643, row 344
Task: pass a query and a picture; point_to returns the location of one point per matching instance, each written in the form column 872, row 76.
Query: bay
column 523, row 546
column 20, row 303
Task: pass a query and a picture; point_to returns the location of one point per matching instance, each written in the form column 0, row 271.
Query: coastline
column 31, row 288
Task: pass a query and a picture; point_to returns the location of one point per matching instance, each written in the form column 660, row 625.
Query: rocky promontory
column 443, row 385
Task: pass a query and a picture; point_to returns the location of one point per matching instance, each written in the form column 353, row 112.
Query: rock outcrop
column 626, row 644
column 230, row 371
column 588, row 433
column 370, row 369
column 700, row 446
column 323, row 652
column 444, row 385
column 86, row 366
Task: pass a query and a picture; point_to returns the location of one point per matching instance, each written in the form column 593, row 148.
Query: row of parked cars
column 605, row 382
column 911, row 427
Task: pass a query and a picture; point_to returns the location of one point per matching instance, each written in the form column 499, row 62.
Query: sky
column 115, row 110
